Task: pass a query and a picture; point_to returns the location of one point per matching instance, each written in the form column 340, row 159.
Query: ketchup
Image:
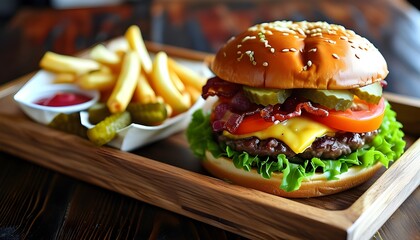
column 62, row 99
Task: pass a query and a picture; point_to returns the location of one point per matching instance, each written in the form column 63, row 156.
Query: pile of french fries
column 128, row 74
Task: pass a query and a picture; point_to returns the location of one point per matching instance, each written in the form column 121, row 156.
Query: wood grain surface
column 47, row 205
column 173, row 179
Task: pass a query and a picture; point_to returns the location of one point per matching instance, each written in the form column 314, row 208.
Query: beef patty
column 326, row 147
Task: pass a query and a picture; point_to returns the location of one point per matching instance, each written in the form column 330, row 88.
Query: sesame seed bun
column 289, row 55
column 315, row 186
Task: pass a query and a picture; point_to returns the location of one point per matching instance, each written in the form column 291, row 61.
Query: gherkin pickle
column 69, row 123
column 266, row 96
column 98, row 112
column 106, row 130
column 370, row 93
column 147, row 114
column 339, row 100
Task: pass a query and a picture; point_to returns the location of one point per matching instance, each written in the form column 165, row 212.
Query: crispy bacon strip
column 230, row 121
column 273, row 113
column 218, row 87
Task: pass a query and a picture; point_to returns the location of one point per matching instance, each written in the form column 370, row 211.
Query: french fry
column 64, row 78
column 187, row 76
column 176, row 81
column 102, row 79
column 144, row 92
column 126, row 83
column 67, row 64
column 118, row 45
column 106, row 57
column 123, row 72
column 164, row 86
column 194, row 93
column 135, row 41
column 97, row 80
column 103, row 55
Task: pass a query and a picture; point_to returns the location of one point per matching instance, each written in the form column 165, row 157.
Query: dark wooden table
column 37, row 203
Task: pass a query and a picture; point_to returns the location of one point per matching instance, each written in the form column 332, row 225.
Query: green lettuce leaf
column 386, row 147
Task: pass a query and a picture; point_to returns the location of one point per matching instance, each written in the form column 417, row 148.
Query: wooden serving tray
column 166, row 174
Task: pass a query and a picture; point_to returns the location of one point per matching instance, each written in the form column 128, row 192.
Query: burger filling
column 229, row 115
column 297, row 135
column 325, row 147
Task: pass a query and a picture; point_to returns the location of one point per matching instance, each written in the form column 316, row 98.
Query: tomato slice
column 253, row 123
column 366, row 118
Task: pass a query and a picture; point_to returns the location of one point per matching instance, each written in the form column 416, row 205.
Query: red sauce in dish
column 62, row 99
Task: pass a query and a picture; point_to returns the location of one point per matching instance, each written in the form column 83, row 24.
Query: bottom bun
column 314, row 186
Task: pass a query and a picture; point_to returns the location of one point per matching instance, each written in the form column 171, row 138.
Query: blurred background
column 28, row 28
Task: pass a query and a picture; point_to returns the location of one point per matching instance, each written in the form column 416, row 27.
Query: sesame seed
column 239, row 45
column 265, row 41
column 335, row 56
column 285, row 34
column 312, row 50
column 250, row 55
column 309, row 63
column 246, row 38
column 316, row 34
column 265, row 64
column 238, row 52
column 305, row 68
column 224, row 54
column 330, row 41
column 332, row 32
column 285, row 50
column 272, row 50
column 254, row 63
column 293, row 50
column 301, row 31
column 344, row 38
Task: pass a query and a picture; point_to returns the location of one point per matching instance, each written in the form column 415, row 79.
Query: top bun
column 287, row 55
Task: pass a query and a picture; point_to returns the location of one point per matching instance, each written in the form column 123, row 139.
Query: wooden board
column 173, row 179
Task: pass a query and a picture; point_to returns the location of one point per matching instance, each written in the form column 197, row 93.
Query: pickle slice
column 98, row 112
column 147, row 114
column 334, row 99
column 69, row 123
column 266, row 96
column 370, row 93
column 106, row 130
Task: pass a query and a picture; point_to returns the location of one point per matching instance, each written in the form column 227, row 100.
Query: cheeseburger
column 299, row 111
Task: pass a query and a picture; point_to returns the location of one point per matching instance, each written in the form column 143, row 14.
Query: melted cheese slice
column 298, row 133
